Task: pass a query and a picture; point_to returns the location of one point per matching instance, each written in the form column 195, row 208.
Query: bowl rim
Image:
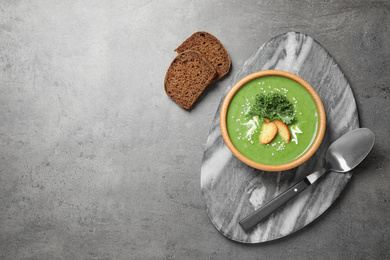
column 281, row 167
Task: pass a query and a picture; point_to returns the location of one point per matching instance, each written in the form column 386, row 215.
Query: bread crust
column 211, row 48
column 283, row 130
column 268, row 132
column 187, row 77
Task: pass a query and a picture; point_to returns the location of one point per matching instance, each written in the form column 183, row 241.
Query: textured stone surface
column 96, row 162
column 233, row 190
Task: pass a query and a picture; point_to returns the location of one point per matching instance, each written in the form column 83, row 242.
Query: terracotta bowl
column 282, row 167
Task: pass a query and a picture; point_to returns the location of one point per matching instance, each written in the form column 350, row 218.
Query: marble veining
column 232, row 190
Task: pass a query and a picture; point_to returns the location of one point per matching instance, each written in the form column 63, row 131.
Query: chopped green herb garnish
column 273, row 106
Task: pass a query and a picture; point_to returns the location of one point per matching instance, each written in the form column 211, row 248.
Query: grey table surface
column 96, row 162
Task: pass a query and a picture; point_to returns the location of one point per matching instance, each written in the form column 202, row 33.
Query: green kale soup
column 244, row 128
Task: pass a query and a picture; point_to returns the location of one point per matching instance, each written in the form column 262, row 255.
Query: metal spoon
column 343, row 155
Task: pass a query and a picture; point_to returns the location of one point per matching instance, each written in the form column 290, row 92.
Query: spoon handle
column 253, row 219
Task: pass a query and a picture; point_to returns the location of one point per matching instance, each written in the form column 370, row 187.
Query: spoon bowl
column 349, row 150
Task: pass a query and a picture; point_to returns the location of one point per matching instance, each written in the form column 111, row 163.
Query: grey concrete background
column 96, row 162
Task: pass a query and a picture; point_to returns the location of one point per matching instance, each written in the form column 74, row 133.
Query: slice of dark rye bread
column 211, row 48
column 187, row 76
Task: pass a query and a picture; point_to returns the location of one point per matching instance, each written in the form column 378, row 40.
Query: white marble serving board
column 232, row 190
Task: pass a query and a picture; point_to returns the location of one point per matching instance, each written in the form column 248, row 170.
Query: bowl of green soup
column 273, row 120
